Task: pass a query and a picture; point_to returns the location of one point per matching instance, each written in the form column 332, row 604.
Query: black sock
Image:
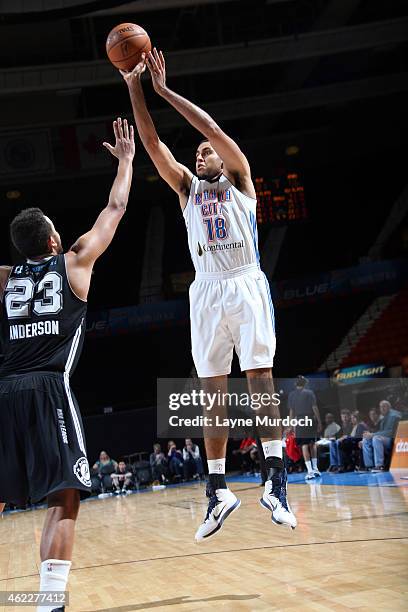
column 273, row 465
column 217, row 481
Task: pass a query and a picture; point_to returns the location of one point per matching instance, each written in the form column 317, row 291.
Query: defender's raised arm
column 86, row 250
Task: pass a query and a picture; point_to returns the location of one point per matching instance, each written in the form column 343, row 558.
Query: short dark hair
column 30, row 232
column 301, row 381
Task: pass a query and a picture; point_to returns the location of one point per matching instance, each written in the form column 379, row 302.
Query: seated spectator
column 175, row 459
column 373, row 423
column 192, row 463
column 101, row 473
column 376, row 444
column 346, row 427
column 349, row 445
column 248, row 454
column 158, row 464
column 332, row 428
column 123, row 478
column 373, row 420
column 293, row 454
column 329, row 433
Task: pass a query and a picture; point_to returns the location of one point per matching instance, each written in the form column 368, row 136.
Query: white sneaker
column 316, row 473
column 222, row 503
column 310, row 476
column 104, row 495
column 275, row 500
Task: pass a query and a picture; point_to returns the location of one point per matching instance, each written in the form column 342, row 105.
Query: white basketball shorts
column 227, row 310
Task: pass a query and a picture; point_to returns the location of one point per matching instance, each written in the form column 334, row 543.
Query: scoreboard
column 281, row 199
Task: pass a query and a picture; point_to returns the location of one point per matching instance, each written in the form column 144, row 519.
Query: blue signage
column 359, row 373
column 386, row 276
column 118, row 321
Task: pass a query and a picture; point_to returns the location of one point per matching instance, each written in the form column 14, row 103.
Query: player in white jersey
column 230, row 302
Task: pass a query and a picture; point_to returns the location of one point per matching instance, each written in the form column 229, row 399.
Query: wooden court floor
column 349, row 552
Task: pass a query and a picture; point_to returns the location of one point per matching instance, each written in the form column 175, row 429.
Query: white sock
column 54, row 577
column 216, row 466
column 273, row 448
column 314, row 463
column 309, row 466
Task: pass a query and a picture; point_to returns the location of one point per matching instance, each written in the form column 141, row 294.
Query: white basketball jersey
column 221, row 226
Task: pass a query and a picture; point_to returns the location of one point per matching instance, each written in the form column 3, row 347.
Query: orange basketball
column 125, row 45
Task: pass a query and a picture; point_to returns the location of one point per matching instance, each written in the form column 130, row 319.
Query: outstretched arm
column 235, row 162
column 175, row 174
column 86, row 250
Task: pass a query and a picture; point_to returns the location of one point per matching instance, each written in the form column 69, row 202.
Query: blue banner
column 130, row 319
column 386, row 276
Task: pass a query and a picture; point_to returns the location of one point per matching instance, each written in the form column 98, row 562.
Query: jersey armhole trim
column 239, row 191
column 5, row 285
column 183, row 210
column 69, row 284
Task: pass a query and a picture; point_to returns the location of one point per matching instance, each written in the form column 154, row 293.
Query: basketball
column 125, row 45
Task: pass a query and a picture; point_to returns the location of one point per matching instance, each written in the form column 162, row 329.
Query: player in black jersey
column 42, row 446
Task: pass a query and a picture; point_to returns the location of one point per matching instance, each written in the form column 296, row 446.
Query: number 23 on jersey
column 20, row 293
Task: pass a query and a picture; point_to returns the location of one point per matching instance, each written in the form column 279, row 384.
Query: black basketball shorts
column 42, row 442
column 306, row 434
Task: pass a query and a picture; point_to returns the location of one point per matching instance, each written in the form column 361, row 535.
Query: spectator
column 248, row 454
column 332, row 428
column 123, row 478
column 373, row 420
column 349, row 445
column 102, row 470
column 346, row 427
column 175, row 459
column 376, row 444
column 302, row 404
column 330, row 432
column 373, row 423
column 293, row 454
column 158, row 464
column 192, row 463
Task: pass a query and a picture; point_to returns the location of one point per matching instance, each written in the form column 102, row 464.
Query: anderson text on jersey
column 32, row 330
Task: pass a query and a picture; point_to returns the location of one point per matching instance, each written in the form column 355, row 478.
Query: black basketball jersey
column 43, row 321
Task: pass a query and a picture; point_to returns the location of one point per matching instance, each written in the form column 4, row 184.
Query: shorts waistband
column 33, row 374
column 227, row 273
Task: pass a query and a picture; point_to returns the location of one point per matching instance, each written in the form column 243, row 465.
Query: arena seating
column 386, row 340
column 307, row 332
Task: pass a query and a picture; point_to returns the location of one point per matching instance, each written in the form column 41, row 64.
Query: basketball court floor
column 349, row 551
